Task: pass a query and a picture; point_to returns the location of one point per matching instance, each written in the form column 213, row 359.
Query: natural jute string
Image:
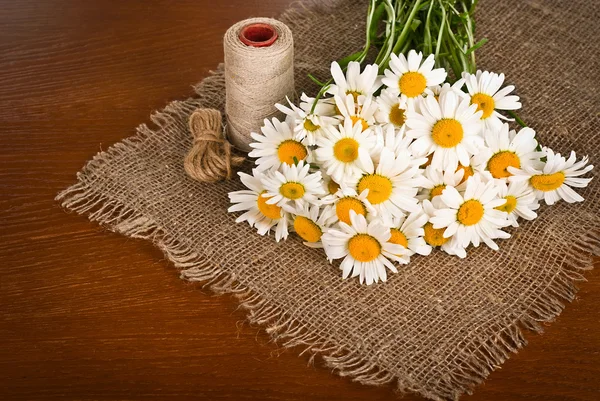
column 210, row 158
column 255, row 78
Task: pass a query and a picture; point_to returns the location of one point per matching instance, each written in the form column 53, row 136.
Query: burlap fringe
column 288, row 331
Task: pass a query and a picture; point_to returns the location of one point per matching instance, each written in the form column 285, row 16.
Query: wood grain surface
column 89, row 315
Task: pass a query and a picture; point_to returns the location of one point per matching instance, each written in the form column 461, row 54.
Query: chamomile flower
column 360, row 113
column 437, row 180
column 472, row 217
column 344, row 151
column 365, row 247
column 325, row 106
column 391, row 110
column 393, row 185
column 555, row 179
column 394, row 140
column 410, row 77
column 506, row 148
column 345, row 200
column 485, row 92
column 310, row 222
column 434, row 237
column 448, row 128
column 354, row 83
column 408, row 231
column 307, row 127
column 259, row 214
column 520, row 201
column 440, row 90
column 278, row 145
column 330, row 184
column 293, row 186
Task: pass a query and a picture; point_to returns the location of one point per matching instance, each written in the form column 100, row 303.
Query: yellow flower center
column 447, row 133
column 346, row 150
column 397, row 116
column 357, row 119
column 271, row 211
column 434, row 236
column 364, row 247
column 498, row 163
column 509, row 206
column 310, row 126
column 344, row 205
column 307, row 229
column 290, row 149
column 292, row 190
column 547, row 182
column 470, row 212
column 355, row 94
column 398, row 237
column 437, row 190
column 332, row 187
column 380, row 187
column 484, row 102
column 412, row 84
column 468, row 172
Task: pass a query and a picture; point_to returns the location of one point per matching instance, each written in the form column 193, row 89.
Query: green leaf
column 415, row 24
column 477, row 46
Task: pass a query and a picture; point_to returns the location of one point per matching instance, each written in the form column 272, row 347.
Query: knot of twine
column 210, row 158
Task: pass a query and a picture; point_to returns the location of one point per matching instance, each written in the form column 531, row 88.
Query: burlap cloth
column 442, row 324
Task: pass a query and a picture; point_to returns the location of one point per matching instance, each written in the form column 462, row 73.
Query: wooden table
column 89, row 315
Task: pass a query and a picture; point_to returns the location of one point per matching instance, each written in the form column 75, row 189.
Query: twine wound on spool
column 259, row 72
column 210, row 158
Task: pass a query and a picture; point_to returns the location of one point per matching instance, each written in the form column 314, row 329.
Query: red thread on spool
column 258, row 35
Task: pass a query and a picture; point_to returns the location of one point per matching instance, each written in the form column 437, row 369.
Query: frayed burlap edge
column 282, row 327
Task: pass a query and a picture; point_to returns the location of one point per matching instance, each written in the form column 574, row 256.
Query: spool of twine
column 259, row 72
column 211, row 158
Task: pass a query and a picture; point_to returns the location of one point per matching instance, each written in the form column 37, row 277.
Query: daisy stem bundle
column 441, row 27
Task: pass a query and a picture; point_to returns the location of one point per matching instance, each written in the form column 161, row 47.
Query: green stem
column 517, row 118
column 407, row 24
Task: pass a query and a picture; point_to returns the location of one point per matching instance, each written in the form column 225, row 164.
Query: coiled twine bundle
column 210, row 159
column 257, row 75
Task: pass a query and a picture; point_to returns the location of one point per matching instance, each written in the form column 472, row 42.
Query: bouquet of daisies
column 390, row 160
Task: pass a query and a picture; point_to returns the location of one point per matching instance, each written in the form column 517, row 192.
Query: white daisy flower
column 307, row 127
column 395, row 140
column 437, row 180
column 507, row 148
column 361, row 113
column 520, row 201
column 325, row 106
column 293, row 186
column 354, row 82
column 259, row 213
column 278, row 145
column 344, row 151
column 472, row 217
column 447, row 128
column 330, row 184
column 440, row 90
column 346, row 199
column 408, row 232
column 393, row 185
column 365, row 247
column 392, row 109
column 483, row 87
column 434, row 237
column 555, row 179
column 410, row 77
column 310, row 222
